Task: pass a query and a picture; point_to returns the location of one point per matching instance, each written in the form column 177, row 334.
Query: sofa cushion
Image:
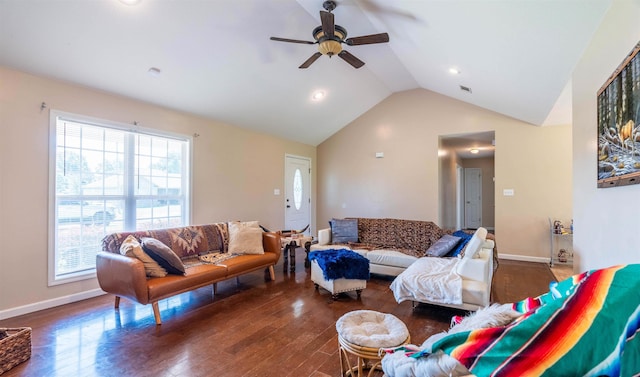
column 390, row 258
column 443, row 246
column 131, row 248
column 162, row 254
column 475, row 243
column 344, row 230
column 244, row 238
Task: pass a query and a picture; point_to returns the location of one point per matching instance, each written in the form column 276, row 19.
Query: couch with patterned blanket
column 151, row 265
column 586, row 325
column 432, row 265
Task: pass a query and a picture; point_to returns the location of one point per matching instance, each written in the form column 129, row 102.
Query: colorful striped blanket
column 587, row 325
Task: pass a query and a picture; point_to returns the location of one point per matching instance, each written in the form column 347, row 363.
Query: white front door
column 472, row 198
column 297, row 193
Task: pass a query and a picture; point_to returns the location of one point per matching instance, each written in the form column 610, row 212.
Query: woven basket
column 14, row 349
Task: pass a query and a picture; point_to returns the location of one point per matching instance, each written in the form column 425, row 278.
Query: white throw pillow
column 475, row 243
column 245, row 239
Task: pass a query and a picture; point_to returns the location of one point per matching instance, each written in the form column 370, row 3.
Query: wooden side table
column 289, row 245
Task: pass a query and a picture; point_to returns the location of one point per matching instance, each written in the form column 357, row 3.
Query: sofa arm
column 271, row 243
column 122, row 276
column 477, row 269
column 324, row 236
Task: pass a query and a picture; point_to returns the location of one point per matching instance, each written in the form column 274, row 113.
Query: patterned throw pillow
column 344, row 230
column 443, row 246
column 162, row 254
column 131, row 248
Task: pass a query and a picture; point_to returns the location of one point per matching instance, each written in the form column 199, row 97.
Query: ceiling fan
column 330, row 38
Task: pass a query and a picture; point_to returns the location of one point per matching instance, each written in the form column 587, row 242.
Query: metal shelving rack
column 560, row 241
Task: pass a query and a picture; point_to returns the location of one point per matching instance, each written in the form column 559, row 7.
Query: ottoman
column 361, row 333
column 339, row 271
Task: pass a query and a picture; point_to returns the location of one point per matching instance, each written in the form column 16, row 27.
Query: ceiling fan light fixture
column 329, row 37
column 329, row 47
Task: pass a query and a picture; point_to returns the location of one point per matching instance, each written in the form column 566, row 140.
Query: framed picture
column 619, row 125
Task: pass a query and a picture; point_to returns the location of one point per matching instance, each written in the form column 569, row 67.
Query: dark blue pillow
column 344, row 230
column 465, row 237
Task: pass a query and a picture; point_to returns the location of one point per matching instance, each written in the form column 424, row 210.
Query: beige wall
column 448, row 178
column 534, row 161
column 606, row 220
column 234, row 174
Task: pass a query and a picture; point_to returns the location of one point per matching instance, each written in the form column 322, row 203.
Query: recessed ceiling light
column 474, row 150
column 317, row 95
column 454, row 71
column 130, row 2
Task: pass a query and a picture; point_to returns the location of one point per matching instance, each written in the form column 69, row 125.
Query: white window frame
column 53, row 118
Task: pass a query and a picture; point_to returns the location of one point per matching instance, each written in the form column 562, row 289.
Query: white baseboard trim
column 51, row 303
column 523, row 258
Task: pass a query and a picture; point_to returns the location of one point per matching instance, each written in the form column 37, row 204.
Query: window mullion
column 129, row 182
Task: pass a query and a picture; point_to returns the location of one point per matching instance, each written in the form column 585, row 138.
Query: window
column 297, row 189
column 107, row 178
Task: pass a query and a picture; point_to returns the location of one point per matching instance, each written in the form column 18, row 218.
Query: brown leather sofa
column 124, row 276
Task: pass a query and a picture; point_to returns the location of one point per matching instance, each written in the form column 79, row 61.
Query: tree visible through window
column 109, row 179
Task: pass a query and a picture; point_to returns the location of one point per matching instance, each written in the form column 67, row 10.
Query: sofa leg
column 117, row 302
column 272, row 273
column 156, row 312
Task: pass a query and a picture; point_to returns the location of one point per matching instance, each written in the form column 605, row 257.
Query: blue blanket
column 341, row 263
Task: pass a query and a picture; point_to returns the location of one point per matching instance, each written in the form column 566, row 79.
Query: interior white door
column 297, row 193
column 472, row 198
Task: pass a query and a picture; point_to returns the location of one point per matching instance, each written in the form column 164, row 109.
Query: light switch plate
column 508, row 192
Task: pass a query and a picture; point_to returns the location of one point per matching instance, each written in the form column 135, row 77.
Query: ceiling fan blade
column 367, row 39
column 349, row 58
column 328, row 26
column 310, row 61
column 292, row 40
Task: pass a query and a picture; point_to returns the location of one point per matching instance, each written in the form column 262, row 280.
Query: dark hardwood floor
column 253, row 328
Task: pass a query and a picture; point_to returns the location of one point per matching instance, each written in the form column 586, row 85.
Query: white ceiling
column 462, row 145
column 217, row 61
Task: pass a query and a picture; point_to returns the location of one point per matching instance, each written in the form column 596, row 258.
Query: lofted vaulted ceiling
column 216, row 60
